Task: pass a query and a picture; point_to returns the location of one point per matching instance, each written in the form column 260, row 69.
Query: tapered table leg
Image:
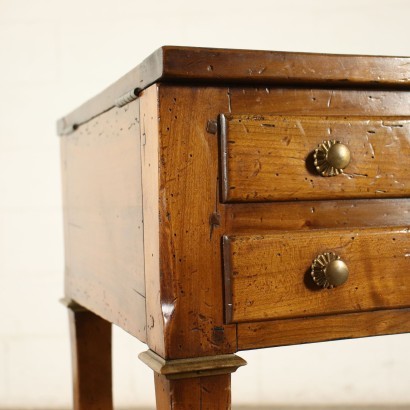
column 199, row 393
column 200, row 383
column 91, row 360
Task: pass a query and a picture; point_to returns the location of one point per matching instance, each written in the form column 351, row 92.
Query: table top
column 213, row 66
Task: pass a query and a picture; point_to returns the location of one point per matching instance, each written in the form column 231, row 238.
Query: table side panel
column 103, row 223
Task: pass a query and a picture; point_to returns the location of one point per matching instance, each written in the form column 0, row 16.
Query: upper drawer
column 271, row 158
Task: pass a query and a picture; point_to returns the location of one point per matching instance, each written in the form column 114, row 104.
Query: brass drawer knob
column 331, row 158
column 328, row 270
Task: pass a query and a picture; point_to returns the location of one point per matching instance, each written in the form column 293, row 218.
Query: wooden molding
column 192, row 367
column 217, row 66
column 287, row 332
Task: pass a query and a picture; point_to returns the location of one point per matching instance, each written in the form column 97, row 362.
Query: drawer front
column 269, row 276
column 271, row 158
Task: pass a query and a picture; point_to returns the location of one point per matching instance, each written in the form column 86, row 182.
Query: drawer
column 272, row 158
column 269, row 276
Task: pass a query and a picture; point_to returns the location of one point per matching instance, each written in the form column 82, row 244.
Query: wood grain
column 103, row 225
column 270, row 158
column 190, row 280
column 202, row 393
column 268, row 276
column 150, row 187
column 322, row 328
column 266, row 67
column 217, row 66
column 316, row 101
column 91, row 361
column 259, row 218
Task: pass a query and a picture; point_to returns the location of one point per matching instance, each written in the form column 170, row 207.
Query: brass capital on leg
column 192, row 367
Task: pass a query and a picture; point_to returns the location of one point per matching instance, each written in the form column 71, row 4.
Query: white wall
column 54, row 54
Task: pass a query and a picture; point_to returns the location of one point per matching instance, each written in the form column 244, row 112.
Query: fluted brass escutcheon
column 331, row 157
column 328, row 270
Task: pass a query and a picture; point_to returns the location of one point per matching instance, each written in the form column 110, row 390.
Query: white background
column 54, row 54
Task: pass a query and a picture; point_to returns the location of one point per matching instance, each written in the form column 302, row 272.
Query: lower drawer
column 269, row 276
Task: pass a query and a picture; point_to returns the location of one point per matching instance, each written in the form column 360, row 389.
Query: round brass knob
column 331, row 158
column 328, row 270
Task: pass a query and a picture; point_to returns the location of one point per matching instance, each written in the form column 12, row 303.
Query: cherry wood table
column 223, row 200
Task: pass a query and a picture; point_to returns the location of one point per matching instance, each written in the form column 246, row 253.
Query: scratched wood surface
column 223, row 66
column 270, row 158
column 103, row 225
column 268, row 276
column 185, row 295
column 257, row 218
column 203, row 393
column 150, row 186
column 165, row 171
column 322, row 328
column 270, row 100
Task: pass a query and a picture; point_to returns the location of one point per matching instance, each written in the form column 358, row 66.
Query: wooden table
column 223, row 200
